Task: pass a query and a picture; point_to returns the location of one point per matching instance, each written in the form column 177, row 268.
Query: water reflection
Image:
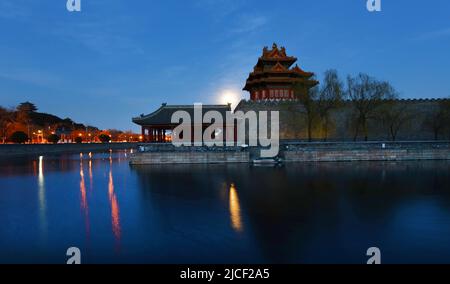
column 115, row 214
column 300, row 213
column 84, row 203
column 235, row 209
column 42, row 198
column 91, row 176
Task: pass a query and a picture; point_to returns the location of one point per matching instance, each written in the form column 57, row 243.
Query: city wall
column 295, row 152
column 293, row 122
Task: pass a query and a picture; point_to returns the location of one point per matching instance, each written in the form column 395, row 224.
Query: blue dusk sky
column 117, row 59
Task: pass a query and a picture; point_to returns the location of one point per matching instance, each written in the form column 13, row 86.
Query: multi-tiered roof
column 274, row 79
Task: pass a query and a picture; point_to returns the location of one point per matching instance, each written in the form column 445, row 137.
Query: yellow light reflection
column 235, row 210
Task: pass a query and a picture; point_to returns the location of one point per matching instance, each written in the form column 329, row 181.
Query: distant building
column 65, row 134
column 157, row 126
column 274, row 79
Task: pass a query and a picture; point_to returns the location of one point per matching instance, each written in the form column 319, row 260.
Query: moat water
column 297, row 213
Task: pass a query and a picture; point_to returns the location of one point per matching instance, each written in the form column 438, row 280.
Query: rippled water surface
column 298, row 213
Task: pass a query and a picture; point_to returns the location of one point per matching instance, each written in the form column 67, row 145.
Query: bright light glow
column 41, row 169
column 229, row 96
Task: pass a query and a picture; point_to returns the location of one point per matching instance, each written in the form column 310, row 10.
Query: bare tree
column 394, row 116
column 367, row 94
column 291, row 116
column 445, row 105
column 438, row 119
column 330, row 97
column 309, row 102
column 6, row 119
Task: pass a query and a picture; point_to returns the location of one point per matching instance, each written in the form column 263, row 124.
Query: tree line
column 370, row 100
column 24, row 124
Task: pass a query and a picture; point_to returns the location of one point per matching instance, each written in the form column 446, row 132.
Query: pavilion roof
column 276, row 54
column 163, row 115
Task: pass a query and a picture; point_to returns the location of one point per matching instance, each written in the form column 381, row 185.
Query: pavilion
column 274, row 78
column 157, row 126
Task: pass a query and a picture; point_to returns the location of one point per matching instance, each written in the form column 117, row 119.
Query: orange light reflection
column 115, row 213
column 235, row 210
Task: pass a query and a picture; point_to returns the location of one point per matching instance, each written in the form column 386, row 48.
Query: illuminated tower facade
column 274, row 78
